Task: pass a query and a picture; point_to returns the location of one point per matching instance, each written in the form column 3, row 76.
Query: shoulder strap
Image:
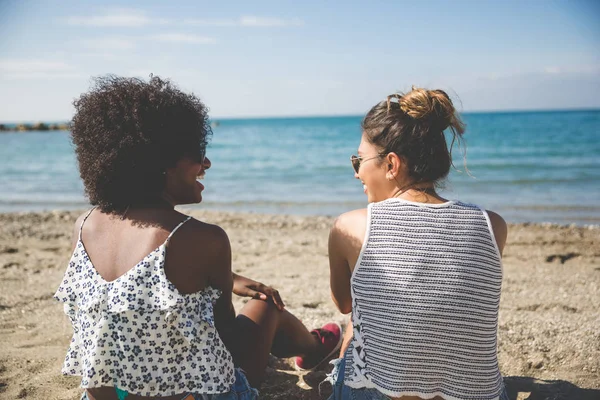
column 177, row 227
column 491, row 230
column 84, row 219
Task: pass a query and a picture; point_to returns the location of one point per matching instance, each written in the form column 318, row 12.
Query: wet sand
column 549, row 331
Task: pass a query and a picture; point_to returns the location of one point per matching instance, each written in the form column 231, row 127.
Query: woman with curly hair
column 420, row 274
column 149, row 289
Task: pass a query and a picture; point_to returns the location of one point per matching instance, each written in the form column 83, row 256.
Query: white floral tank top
column 139, row 333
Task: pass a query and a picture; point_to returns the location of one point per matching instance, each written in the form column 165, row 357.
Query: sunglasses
column 356, row 161
column 199, row 156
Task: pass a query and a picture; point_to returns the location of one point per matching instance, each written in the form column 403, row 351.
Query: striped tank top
column 425, row 297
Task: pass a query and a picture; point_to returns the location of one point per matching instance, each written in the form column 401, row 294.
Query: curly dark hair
column 127, row 132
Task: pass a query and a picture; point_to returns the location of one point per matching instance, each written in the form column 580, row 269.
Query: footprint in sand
column 9, row 250
column 52, row 249
column 562, row 257
column 314, row 304
column 546, row 307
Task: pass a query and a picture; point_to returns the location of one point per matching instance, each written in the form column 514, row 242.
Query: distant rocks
column 40, row 126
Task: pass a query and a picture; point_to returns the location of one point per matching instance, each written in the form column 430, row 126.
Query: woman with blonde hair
column 420, row 274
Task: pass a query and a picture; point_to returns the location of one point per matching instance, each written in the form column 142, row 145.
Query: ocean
column 527, row 166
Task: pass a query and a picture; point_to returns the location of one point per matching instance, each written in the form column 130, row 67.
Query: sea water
column 527, row 166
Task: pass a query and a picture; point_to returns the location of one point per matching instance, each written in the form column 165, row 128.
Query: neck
column 160, row 202
column 421, row 193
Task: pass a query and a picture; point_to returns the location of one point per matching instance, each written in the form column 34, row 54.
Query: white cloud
column 36, row 69
column 552, row 70
column 27, row 66
column 210, row 22
column 573, row 70
column 246, row 21
column 182, row 38
column 100, row 55
column 132, row 18
column 41, row 75
column 117, row 18
column 109, row 43
column 105, row 45
column 267, row 22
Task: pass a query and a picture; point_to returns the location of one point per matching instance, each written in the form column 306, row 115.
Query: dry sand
column 549, row 334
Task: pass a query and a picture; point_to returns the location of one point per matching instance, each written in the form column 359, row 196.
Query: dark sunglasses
column 356, row 161
column 200, row 155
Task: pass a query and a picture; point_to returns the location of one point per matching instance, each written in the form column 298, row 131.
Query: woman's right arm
column 345, row 242
column 339, row 271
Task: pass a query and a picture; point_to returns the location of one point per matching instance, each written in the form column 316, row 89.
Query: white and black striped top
column 425, row 296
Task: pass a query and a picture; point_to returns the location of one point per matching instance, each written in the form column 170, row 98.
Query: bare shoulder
column 348, row 231
column 345, row 243
column 500, row 229
column 76, row 228
column 198, row 253
column 78, row 223
column 354, row 221
column 206, row 228
column 205, row 235
column 498, row 223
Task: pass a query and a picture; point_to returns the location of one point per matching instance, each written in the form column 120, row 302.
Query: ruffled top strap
column 85, row 219
column 177, row 227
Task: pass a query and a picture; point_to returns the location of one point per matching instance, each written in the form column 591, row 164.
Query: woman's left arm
column 247, row 287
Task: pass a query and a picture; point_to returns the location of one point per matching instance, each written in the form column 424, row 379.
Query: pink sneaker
column 330, row 337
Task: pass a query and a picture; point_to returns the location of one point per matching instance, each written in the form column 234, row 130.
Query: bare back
column 115, row 246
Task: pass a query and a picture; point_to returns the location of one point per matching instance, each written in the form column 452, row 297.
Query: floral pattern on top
column 139, row 333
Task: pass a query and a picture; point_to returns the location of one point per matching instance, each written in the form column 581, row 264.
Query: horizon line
column 507, row 111
column 301, row 116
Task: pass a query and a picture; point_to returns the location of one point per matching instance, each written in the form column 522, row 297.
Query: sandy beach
column 549, row 331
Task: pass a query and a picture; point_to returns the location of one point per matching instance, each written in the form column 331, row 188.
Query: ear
column 395, row 164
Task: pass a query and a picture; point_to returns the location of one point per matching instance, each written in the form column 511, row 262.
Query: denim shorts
column 241, row 390
column 343, row 392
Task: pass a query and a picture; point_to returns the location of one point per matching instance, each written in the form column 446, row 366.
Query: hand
column 246, row 287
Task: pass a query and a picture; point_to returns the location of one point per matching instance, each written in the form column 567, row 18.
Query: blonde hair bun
column 432, row 106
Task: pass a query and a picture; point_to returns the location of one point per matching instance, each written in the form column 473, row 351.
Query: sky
column 296, row 58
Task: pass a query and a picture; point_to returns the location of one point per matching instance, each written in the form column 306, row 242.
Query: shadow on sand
column 523, row 387
column 283, row 382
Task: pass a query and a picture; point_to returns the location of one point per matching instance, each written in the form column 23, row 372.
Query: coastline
column 555, row 216
column 549, row 310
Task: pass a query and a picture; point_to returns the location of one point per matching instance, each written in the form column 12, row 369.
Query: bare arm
column 339, row 271
column 345, row 242
column 247, row 287
column 221, row 278
column 500, row 229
